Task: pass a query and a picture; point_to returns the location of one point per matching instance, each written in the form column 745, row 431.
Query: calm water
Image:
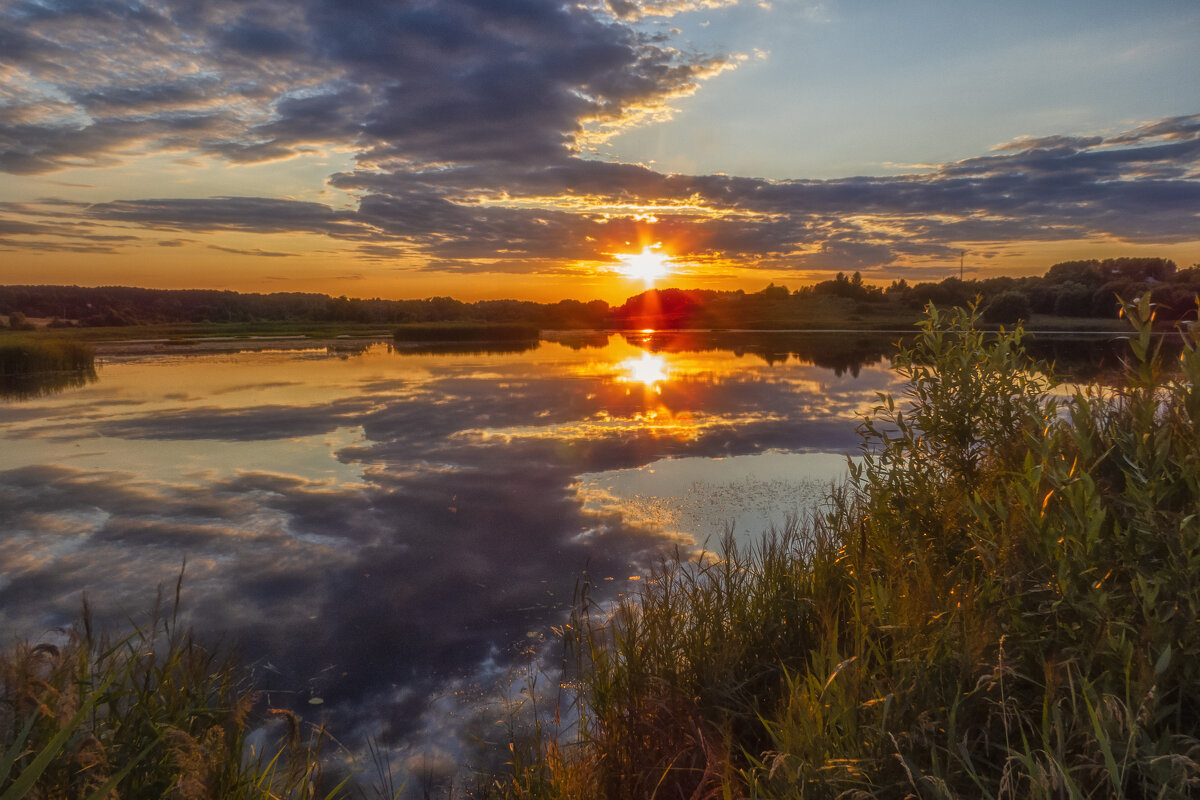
column 385, row 533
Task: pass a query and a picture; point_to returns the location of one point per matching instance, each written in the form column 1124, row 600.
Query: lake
column 389, row 534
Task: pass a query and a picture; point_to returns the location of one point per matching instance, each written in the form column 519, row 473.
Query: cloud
column 470, row 124
column 252, row 214
column 399, row 82
column 639, row 9
column 254, row 252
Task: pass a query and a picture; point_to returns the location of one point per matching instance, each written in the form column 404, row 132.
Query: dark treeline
column 123, row 305
column 1070, row 289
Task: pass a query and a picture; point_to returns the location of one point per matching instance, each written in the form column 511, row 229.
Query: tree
column 1010, row 306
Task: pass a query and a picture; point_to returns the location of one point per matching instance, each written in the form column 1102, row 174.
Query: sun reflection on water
column 650, row 370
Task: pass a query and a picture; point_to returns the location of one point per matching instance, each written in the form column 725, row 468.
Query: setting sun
column 647, row 266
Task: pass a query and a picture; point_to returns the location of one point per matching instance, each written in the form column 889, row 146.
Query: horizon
column 542, row 151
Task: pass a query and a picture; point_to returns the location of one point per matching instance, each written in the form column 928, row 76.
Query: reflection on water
column 391, row 529
column 699, row 500
column 841, row 351
column 41, row 384
column 646, row 369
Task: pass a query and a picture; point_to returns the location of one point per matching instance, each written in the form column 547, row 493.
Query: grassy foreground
column 152, row 715
column 1003, row 602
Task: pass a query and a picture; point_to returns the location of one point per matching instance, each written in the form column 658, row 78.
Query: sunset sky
column 526, row 148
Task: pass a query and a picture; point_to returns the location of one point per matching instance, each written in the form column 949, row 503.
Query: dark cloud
column 253, row 214
column 469, row 122
column 255, row 252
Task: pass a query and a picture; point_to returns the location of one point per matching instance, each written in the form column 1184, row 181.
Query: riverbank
column 1001, row 602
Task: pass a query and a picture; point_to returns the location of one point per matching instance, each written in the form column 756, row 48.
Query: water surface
column 385, row 531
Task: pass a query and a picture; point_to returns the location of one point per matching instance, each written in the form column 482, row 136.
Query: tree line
column 1082, row 288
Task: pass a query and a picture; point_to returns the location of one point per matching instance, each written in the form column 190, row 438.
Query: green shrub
column 1010, row 306
column 1002, row 602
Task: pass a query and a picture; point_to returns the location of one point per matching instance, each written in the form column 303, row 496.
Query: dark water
column 388, row 534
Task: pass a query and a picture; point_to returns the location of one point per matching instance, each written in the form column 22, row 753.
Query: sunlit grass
column 1002, row 602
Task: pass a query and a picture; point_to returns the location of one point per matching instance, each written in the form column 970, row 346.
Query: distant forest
column 1069, row 289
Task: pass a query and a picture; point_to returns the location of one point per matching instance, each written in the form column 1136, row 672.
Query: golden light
column 647, row 370
column 646, row 266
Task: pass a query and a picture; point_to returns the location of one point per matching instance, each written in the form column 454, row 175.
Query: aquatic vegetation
column 36, row 367
column 1000, row 603
column 27, row 356
column 466, row 332
column 153, row 714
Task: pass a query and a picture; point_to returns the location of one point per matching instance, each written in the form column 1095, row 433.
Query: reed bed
column 466, row 332
column 151, row 715
column 1001, row 602
column 28, row 356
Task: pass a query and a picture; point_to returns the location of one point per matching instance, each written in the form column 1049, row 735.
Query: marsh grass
column 153, row 714
column 27, row 356
column 466, row 332
column 35, row 367
column 1002, row 602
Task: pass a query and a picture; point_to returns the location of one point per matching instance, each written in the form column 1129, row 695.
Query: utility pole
column 961, row 255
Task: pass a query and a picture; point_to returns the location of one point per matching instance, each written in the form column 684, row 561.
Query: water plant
column 1001, row 602
column 26, row 356
column 152, row 714
column 35, row 367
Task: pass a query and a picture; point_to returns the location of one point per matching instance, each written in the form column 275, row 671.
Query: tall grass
column 35, row 367
column 1002, row 602
column 154, row 714
column 466, row 332
column 23, row 357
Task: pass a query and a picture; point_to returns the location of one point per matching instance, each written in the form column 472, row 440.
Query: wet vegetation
column 1000, row 603
column 33, row 368
column 46, row 355
column 467, row 332
column 153, row 714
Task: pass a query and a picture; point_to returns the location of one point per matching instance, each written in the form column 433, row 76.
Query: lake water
column 386, row 534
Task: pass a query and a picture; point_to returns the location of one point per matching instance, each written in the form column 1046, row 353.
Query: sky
column 519, row 148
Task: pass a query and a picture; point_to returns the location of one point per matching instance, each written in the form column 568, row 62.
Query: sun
column 646, row 266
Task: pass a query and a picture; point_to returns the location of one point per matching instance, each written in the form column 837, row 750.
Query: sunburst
column 646, row 266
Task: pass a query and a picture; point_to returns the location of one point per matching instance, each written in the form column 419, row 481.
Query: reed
column 1000, row 603
column 28, row 356
column 466, row 332
column 152, row 714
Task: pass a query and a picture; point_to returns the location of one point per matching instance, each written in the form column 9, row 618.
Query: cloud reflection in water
column 374, row 529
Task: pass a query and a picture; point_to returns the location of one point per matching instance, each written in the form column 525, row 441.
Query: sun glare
column 646, row 266
column 647, row 370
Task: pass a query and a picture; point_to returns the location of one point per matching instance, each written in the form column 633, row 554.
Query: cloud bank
column 471, row 125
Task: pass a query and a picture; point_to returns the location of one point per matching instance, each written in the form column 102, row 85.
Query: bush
column 1011, row 306
column 1001, row 602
